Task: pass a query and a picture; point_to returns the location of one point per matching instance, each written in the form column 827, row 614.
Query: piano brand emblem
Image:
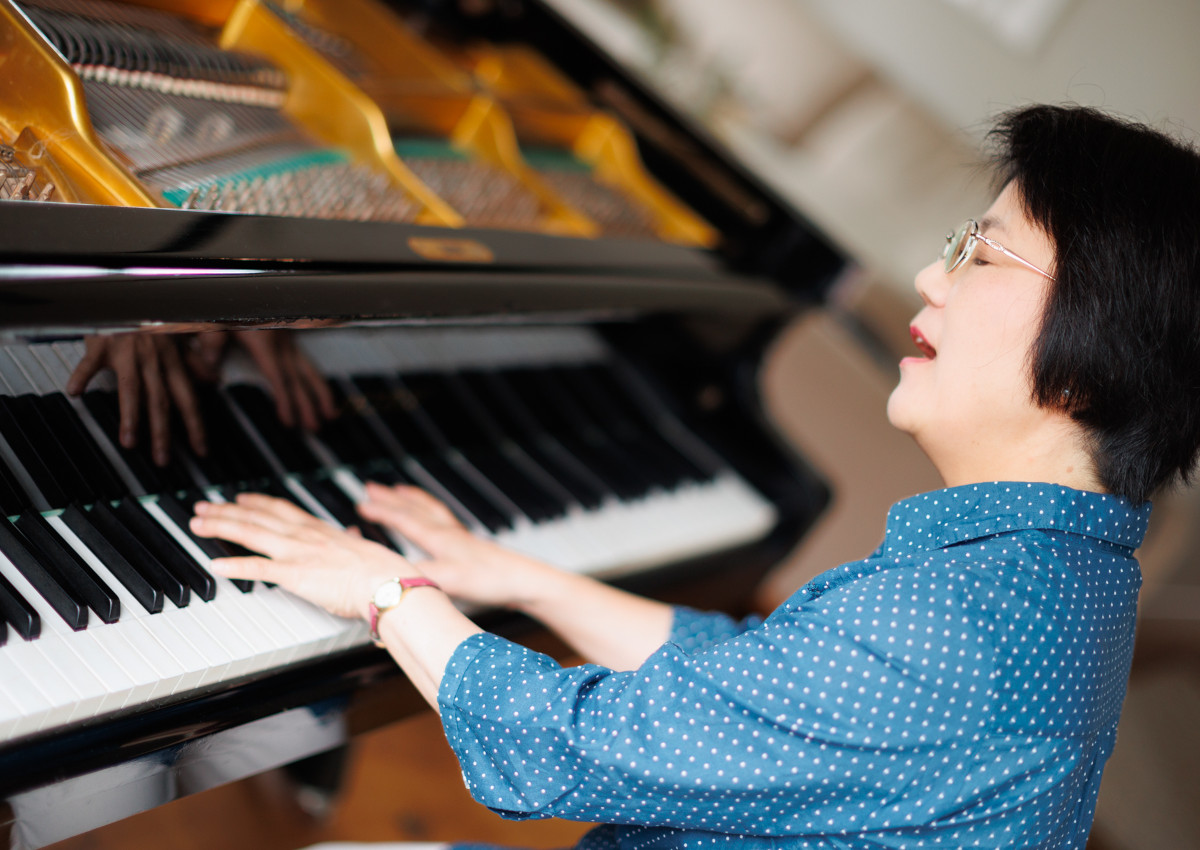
column 451, row 250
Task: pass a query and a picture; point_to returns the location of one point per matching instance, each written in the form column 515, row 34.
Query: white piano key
column 55, row 669
column 319, row 631
column 179, row 665
column 29, row 705
column 93, row 671
column 269, row 641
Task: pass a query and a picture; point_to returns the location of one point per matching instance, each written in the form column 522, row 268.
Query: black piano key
column 523, row 428
column 238, row 454
column 13, row 498
column 166, row 549
column 17, row 612
column 43, row 578
column 148, row 595
column 382, row 473
column 538, row 474
column 73, row 570
column 639, row 441
column 563, row 421
column 467, row 430
column 604, row 380
column 103, row 406
column 347, row 435
column 180, row 512
column 397, row 410
column 135, row 553
column 92, row 462
column 3, row 632
column 33, row 460
column 287, row 444
column 57, row 456
column 475, row 503
column 342, row 508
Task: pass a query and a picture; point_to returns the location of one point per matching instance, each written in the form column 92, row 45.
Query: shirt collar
column 943, row 518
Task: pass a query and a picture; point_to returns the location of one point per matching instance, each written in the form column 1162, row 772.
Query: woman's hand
column 604, row 624
column 148, row 364
column 465, row 566
column 329, row 567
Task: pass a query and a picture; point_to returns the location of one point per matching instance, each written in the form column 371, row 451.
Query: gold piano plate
column 451, row 250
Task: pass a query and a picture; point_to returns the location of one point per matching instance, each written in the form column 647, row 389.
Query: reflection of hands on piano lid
column 153, row 372
column 301, row 394
column 151, row 375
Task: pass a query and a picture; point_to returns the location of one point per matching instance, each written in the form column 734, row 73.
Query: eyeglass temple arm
column 996, row 246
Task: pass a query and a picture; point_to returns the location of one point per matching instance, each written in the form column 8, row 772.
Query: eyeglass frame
column 971, row 227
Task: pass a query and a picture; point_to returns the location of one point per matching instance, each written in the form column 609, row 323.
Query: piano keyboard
column 538, row 438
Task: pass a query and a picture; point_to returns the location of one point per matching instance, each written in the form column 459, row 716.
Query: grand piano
column 532, row 287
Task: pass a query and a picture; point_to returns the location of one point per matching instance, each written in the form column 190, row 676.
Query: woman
column 959, row 687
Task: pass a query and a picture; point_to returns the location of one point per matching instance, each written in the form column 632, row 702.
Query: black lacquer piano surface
column 532, row 288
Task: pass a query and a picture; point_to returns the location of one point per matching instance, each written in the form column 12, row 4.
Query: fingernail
column 128, row 438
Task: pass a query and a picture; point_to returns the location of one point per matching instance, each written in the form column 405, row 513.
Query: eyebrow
column 989, row 222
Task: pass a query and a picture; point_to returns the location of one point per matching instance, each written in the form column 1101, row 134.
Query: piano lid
column 517, row 149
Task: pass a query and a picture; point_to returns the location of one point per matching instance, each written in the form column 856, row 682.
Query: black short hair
column 1119, row 348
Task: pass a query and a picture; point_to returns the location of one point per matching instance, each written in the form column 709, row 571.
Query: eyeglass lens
column 957, row 246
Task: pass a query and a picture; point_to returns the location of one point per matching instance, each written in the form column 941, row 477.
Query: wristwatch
column 388, row 596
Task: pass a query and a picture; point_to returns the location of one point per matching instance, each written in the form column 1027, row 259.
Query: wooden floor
column 403, row 784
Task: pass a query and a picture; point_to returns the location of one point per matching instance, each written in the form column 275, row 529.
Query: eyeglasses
column 961, row 244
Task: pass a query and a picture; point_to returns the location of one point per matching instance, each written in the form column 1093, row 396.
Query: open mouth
column 921, row 343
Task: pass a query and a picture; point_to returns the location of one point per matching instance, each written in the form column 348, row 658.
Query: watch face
column 387, row 595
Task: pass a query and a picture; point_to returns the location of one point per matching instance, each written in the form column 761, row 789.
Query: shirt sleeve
column 767, row 732
column 693, row 630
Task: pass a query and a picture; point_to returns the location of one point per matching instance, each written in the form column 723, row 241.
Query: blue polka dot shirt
column 958, row 688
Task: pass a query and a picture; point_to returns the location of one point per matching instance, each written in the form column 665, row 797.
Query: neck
column 1055, row 455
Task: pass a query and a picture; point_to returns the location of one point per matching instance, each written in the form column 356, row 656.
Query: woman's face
column 967, row 398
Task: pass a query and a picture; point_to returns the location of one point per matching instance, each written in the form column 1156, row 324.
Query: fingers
column 95, row 358
column 158, row 404
column 122, row 359
column 323, row 564
column 204, row 354
column 280, row 509
column 316, row 385
column 273, row 533
column 410, row 500
column 179, row 385
column 262, row 347
column 149, row 375
column 414, row 513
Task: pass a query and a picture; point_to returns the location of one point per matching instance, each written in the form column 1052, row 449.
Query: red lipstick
column 921, row 343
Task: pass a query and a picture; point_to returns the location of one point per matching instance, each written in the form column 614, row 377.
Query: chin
column 899, row 413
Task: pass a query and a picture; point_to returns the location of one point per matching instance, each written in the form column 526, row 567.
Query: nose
column 932, row 284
